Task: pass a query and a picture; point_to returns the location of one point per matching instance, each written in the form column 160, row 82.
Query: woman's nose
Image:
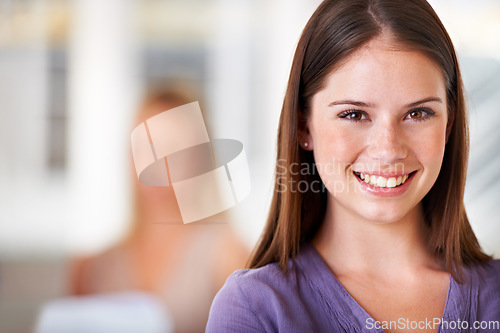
column 386, row 142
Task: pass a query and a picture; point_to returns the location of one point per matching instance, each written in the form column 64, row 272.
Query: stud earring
column 306, row 144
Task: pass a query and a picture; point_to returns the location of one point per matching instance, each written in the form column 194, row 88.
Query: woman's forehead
column 382, row 70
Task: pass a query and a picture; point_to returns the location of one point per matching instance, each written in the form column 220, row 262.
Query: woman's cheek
column 431, row 144
column 334, row 152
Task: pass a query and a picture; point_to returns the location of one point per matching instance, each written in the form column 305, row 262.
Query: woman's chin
column 376, row 210
column 382, row 215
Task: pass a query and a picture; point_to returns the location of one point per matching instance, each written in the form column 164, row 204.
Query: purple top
column 311, row 299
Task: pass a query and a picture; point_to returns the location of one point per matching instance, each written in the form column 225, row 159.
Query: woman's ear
column 305, row 139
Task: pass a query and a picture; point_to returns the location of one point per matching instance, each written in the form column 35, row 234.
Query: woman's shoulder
column 246, row 299
column 270, row 275
column 268, row 299
column 488, row 272
column 269, row 280
column 487, row 290
column 485, row 276
column 256, row 286
column 488, row 275
column 494, row 266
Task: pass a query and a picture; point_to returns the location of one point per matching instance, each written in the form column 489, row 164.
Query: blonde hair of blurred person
column 184, row 264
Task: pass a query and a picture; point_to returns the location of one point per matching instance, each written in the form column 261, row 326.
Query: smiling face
column 378, row 131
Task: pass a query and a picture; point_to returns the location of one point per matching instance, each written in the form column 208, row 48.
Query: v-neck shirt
column 309, row 298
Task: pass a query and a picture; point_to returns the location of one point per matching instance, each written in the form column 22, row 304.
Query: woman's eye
column 419, row 114
column 353, row 115
column 416, row 114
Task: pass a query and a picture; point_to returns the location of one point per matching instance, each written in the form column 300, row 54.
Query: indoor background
column 72, row 74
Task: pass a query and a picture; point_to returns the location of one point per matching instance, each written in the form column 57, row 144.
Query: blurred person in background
column 185, row 265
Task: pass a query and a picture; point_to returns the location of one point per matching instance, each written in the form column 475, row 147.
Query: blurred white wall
column 103, row 91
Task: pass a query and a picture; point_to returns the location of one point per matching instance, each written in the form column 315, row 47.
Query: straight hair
column 336, row 30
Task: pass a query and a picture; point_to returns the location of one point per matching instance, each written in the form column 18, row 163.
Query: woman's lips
column 385, row 186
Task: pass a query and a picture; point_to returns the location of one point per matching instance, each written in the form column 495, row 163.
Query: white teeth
column 391, row 182
column 379, row 181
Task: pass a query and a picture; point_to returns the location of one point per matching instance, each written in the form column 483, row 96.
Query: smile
column 384, row 182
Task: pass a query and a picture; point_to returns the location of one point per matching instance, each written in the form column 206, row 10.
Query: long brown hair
column 336, row 30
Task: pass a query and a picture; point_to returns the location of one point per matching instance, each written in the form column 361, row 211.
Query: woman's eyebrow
column 425, row 100
column 364, row 104
column 350, row 102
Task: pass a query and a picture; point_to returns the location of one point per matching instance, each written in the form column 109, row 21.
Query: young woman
column 367, row 230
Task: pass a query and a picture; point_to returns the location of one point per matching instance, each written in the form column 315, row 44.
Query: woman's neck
column 350, row 244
